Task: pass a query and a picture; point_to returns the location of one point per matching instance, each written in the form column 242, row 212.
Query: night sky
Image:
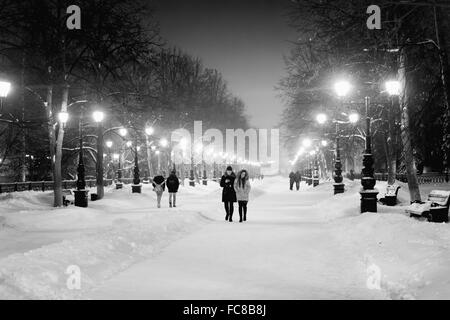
column 244, row 39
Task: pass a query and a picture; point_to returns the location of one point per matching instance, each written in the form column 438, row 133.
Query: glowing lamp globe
column 149, row 131
column 353, row 118
column 342, row 88
column 98, row 116
column 63, row 117
column 307, row 143
column 393, row 87
column 321, row 118
column 123, row 132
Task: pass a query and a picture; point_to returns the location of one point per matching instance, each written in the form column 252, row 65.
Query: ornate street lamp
column 368, row 192
column 81, row 194
column 342, row 88
column 98, row 118
column 136, row 187
column 109, row 144
column 123, row 132
column 315, row 176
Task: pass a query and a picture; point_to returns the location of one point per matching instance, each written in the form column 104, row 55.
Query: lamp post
column 315, row 176
column 342, row 88
column 81, row 194
column 119, row 184
column 339, row 186
column 109, row 145
column 115, row 157
column 368, row 192
column 136, row 187
column 98, row 118
column 393, row 88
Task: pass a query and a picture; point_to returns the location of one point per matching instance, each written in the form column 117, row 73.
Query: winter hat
column 229, row 168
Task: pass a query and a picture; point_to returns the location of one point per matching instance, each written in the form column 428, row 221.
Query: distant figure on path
column 159, row 186
column 298, row 179
column 291, row 180
column 173, row 184
column 228, row 193
column 242, row 187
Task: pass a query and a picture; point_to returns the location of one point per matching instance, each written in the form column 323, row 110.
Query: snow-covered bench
column 390, row 197
column 435, row 209
column 68, row 197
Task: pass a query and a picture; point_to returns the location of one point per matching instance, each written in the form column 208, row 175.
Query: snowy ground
column 296, row 245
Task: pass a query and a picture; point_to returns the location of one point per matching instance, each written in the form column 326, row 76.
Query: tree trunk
column 411, row 171
column 51, row 127
column 58, row 155
column 444, row 70
column 23, row 132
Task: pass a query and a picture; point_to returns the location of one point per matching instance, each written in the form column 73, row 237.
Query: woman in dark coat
column 228, row 193
column 291, row 180
column 159, row 186
column 173, row 183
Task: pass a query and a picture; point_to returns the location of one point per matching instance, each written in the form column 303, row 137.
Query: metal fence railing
column 425, row 178
column 48, row 185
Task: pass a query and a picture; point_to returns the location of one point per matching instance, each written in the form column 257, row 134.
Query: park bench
column 435, row 209
column 68, row 197
column 390, row 197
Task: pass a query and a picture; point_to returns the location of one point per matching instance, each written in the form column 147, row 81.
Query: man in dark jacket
column 228, row 193
column 291, row 180
column 298, row 179
column 173, row 183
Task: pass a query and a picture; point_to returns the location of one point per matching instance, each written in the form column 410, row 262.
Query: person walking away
column 242, row 187
column 298, row 179
column 173, row 184
column 228, row 193
column 159, row 186
column 291, row 180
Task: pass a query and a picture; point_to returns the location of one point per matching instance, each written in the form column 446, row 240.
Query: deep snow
column 296, row 245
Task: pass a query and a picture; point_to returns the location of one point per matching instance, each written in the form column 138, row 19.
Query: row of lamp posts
column 368, row 192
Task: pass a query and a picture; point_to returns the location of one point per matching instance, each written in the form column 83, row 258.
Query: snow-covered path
column 296, row 245
column 280, row 253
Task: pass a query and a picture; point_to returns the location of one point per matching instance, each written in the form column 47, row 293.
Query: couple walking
column 235, row 189
column 172, row 183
